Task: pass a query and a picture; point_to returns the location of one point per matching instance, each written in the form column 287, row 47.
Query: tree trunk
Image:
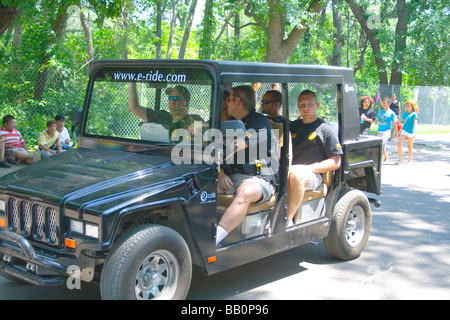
column 207, row 30
column 225, row 24
column 400, row 42
column 7, row 16
column 172, row 28
column 278, row 48
column 159, row 9
column 187, row 30
column 336, row 59
column 359, row 14
column 87, row 35
column 58, row 28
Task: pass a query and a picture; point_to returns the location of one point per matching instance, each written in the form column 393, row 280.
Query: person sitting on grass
column 49, row 142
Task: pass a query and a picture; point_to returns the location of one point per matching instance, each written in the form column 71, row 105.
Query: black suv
column 136, row 205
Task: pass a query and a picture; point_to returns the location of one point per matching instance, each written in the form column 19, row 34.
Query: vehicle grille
column 33, row 220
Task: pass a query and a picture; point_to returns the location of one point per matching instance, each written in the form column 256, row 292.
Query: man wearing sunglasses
column 271, row 104
column 178, row 102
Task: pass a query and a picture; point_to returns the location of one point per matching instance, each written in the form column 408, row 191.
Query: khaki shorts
column 266, row 187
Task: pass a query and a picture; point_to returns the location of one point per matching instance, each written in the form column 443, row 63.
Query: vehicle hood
column 81, row 175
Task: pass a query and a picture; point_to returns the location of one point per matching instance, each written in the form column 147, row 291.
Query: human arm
column 224, row 182
column 133, row 102
column 327, row 165
column 58, row 145
column 364, row 118
column 23, row 146
column 42, row 147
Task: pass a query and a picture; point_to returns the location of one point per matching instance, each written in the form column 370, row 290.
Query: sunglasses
column 267, row 101
column 175, row 98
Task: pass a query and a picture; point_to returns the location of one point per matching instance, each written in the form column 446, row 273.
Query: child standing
column 409, row 130
column 386, row 117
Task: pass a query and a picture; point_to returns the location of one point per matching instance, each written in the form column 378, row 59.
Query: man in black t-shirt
column 233, row 178
column 271, row 104
column 316, row 150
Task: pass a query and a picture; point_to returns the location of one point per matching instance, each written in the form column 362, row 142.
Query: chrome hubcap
column 157, row 276
column 355, row 227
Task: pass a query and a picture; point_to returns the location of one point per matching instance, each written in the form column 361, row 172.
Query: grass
column 422, row 129
column 429, row 128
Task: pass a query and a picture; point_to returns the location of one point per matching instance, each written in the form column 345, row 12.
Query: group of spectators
column 13, row 149
column 392, row 123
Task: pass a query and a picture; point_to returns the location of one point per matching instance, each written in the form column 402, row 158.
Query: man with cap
column 178, row 117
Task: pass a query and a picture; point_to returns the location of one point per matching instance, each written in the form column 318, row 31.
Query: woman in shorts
column 385, row 118
column 409, row 130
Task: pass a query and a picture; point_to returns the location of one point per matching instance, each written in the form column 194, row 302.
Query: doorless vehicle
column 135, row 206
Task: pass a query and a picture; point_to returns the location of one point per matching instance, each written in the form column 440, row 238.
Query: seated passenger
column 178, row 117
column 64, row 136
column 16, row 150
column 271, row 104
column 233, row 178
column 316, row 150
column 49, row 142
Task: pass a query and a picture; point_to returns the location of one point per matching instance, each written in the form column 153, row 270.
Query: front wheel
column 350, row 226
column 150, row 263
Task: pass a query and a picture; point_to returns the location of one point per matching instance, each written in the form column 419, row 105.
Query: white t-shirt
column 64, row 134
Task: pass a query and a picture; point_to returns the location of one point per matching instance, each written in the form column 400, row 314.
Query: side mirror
column 76, row 116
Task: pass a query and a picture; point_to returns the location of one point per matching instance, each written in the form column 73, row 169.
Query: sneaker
column 4, row 164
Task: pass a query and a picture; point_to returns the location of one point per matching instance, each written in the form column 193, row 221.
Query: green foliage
column 24, row 55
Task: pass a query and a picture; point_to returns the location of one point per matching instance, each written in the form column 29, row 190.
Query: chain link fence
column 35, row 96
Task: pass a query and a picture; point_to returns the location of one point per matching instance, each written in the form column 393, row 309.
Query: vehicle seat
column 322, row 190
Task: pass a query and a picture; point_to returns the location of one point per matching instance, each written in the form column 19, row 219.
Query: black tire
column 150, row 262
column 350, row 226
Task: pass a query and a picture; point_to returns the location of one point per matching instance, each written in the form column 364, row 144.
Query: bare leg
column 296, row 191
column 25, row 157
column 410, row 148
column 401, row 138
column 247, row 193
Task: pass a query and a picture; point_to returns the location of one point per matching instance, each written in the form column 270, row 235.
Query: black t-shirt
column 313, row 142
column 395, row 107
column 279, row 119
column 369, row 113
column 259, row 131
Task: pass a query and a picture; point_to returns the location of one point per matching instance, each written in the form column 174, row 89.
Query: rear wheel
column 150, row 263
column 350, row 226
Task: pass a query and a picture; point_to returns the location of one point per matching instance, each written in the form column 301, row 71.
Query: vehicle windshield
column 149, row 105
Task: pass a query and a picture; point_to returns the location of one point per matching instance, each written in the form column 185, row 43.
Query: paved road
column 407, row 257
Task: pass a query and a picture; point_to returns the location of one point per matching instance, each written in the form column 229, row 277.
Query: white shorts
column 385, row 135
column 314, row 179
column 408, row 135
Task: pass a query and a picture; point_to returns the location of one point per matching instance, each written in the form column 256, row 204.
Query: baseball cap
column 182, row 91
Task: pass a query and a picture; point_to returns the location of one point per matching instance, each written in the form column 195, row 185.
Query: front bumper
column 13, row 246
